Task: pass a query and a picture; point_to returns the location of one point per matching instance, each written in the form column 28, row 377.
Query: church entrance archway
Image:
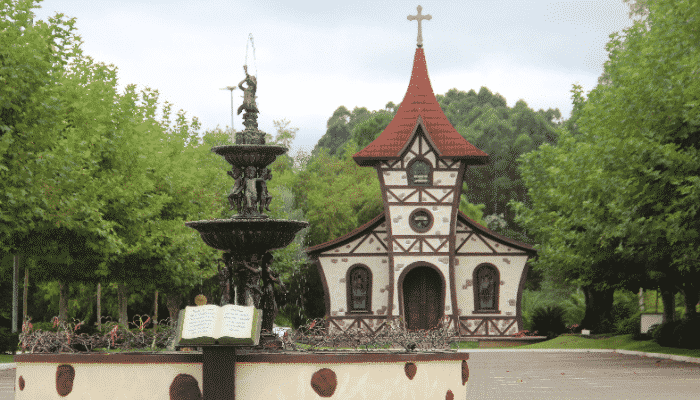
column 422, row 298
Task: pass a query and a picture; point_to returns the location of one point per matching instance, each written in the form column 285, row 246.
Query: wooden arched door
column 422, row 298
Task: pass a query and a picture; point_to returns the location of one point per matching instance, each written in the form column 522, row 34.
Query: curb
column 627, row 352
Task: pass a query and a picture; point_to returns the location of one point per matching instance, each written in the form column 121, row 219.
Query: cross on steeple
column 419, row 18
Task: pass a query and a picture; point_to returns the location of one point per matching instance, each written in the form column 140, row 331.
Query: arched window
column 359, row 283
column 486, row 286
column 420, row 173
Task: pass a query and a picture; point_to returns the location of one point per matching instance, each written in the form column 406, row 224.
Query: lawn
column 622, row 342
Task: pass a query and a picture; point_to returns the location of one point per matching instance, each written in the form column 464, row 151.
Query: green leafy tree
column 367, row 131
column 485, row 120
column 339, row 130
column 337, row 195
column 616, row 204
column 285, row 134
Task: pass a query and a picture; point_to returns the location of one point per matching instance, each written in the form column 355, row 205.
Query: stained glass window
column 487, row 284
column 359, row 289
column 421, row 220
column 420, row 173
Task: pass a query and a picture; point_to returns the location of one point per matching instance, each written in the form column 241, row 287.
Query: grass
column 621, row 342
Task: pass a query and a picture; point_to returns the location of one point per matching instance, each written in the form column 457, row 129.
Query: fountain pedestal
column 218, row 372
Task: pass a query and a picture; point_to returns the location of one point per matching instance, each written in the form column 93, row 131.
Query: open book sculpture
column 213, row 325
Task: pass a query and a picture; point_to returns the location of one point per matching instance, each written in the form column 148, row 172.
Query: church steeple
column 419, row 101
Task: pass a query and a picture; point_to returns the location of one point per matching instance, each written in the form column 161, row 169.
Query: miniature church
column 422, row 259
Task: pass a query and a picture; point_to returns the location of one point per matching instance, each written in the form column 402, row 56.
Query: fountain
column 247, row 238
column 266, row 371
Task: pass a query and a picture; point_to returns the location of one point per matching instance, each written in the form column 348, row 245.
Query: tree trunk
column 15, row 293
column 63, row 301
column 24, row 295
column 690, row 298
column 172, row 301
column 668, row 298
column 598, row 309
column 122, row 300
column 155, row 313
column 641, row 299
column 99, row 306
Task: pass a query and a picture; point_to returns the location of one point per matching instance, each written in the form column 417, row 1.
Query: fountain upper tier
column 249, row 232
column 243, row 155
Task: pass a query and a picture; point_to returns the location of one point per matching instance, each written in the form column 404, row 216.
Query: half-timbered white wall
column 370, row 250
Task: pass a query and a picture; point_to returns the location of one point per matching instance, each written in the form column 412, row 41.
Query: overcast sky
column 314, row 56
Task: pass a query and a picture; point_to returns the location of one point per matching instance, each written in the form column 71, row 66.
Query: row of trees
column 614, row 204
column 94, row 188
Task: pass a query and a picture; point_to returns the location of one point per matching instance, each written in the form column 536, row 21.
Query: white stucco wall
column 510, row 269
column 336, row 273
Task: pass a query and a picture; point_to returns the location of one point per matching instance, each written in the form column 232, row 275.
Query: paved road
column 7, row 388
column 518, row 374
column 578, row 375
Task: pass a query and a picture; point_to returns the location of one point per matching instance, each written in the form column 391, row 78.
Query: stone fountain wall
column 178, row 376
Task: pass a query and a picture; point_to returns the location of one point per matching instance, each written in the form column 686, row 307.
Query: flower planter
column 258, row 375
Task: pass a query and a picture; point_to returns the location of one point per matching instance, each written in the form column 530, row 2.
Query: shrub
column 652, row 329
column 629, row 326
column 549, row 321
column 663, row 335
column 620, row 312
column 44, row 326
column 685, row 334
column 8, row 341
column 87, row 329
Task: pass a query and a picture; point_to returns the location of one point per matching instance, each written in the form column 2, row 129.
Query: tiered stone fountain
column 268, row 373
column 247, row 238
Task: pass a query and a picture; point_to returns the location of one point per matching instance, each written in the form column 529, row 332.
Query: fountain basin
column 247, row 236
column 259, row 375
column 244, row 155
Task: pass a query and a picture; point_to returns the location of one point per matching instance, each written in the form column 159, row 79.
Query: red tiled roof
column 419, row 101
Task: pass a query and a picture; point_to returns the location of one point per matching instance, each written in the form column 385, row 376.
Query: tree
column 485, row 121
column 337, row 195
column 634, row 220
column 34, row 164
column 285, row 134
column 339, row 129
column 473, row 211
column 368, row 130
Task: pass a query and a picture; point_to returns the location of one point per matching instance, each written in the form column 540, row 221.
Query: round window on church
column 421, row 220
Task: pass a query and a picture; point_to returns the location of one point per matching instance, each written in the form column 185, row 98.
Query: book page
column 199, row 321
column 238, row 321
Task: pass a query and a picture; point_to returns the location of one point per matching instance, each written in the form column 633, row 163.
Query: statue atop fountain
column 251, row 134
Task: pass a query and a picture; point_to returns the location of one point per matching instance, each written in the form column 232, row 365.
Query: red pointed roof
column 419, row 102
